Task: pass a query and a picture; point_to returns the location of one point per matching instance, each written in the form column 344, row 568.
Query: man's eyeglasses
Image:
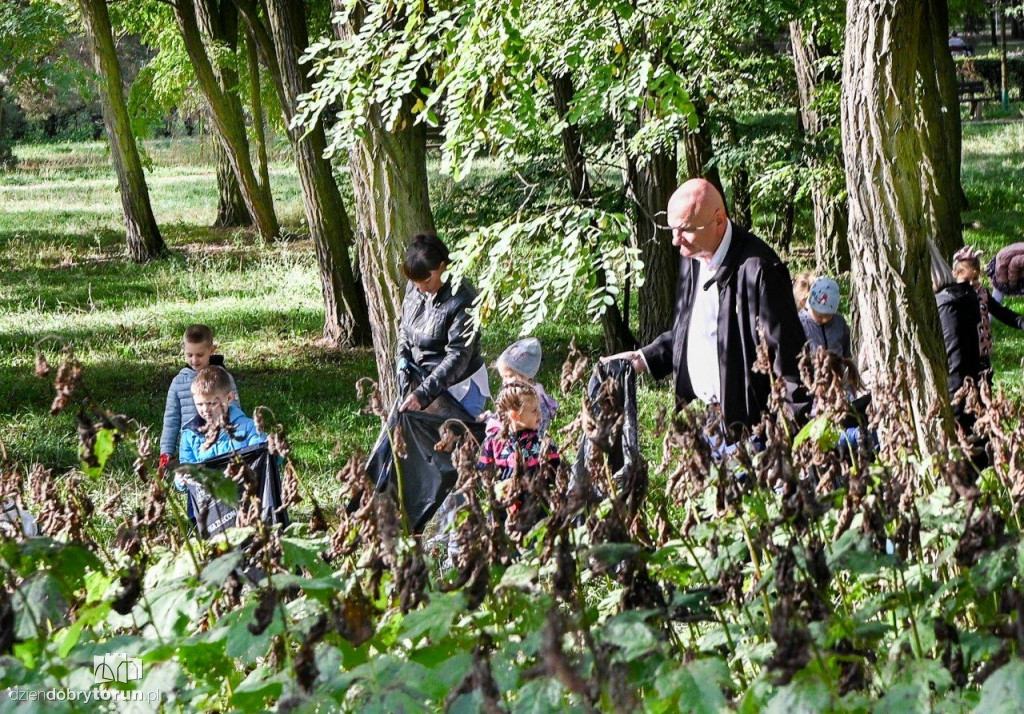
column 678, row 229
column 681, row 229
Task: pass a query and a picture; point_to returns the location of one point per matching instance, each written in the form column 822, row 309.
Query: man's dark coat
column 754, row 288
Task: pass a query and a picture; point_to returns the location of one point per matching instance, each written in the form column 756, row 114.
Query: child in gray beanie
column 521, row 362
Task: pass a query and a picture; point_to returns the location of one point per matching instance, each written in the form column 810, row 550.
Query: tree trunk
column 831, row 248
column 741, row 212
column 226, row 111
column 389, row 177
column 651, row 187
column 901, row 340
column 219, row 21
column 231, row 210
column 258, row 120
column 347, row 321
column 938, row 121
column 617, row 335
column 144, row 240
column 700, row 149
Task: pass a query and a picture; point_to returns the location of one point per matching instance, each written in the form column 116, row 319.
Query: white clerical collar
column 719, row 257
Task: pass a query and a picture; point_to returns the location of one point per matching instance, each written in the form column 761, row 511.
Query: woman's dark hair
column 424, row 254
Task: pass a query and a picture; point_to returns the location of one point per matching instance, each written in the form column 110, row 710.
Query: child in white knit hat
column 521, row 362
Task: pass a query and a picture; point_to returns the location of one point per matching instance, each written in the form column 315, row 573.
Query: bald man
column 730, row 282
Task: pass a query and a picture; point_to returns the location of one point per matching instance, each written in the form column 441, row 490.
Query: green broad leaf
column 172, row 606
column 1003, row 692
column 305, row 553
column 254, row 693
column 239, row 642
column 206, row 660
column 821, row 431
column 217, row 571
column 102, row 450
column 695, row 687
column 519, row 576
column 322, row 589
column 67, row 639
column 435, row 619
column 540, row 696
column 96, row 586
column 631, row 635
column 611, row 554
column 903, row 699
column 70, row 562
column 38, row 602
column 805, row 693
column 994, row 570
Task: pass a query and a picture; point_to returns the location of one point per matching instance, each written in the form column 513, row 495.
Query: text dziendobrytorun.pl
column 18, row 694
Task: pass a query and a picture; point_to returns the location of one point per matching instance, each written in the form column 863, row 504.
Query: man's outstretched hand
column 634, row 357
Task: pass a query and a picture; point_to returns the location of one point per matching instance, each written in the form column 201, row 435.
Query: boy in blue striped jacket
column 180, row 409
column 213, row 394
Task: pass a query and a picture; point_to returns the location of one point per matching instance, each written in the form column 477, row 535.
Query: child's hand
column 181, row 481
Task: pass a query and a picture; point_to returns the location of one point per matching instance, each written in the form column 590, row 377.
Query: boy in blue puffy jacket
column 199, row 349
column 213, row 393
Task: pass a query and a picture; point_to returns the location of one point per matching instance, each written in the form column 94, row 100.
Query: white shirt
column 702, row 358
column 460, row 389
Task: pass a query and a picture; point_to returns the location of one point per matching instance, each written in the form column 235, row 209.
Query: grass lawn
column 64, row 274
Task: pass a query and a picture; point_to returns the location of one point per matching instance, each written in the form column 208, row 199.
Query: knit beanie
column 824, row 298
column 523, row 357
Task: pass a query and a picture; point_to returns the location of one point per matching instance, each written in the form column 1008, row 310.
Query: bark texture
column 392, row 204
column 219, row 21
column 651, row 187
column 346, row 320
column 259, row 134
column 617, row 335
column 144, row 239
column 700, row 149
column 938, row 121
column 831, row 247
column 901, row 342
column 231, row 210
column 229, row 121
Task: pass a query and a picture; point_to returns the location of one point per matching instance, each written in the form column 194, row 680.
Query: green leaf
column 611, row 554
column 631, row 635
column 695, row 687
column 1003, row 692
column 821, row 431
column 435, row 619
column 305, row 553
column 102, row 450
column 903, row 699
column 805, row 693
column 217, row 571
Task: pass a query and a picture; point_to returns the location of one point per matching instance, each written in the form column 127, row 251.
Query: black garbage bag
column 427, row 475
column 624, row 455
column 219, row 515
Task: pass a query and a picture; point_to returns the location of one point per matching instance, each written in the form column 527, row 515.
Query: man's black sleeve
column 784, row 333
column 658, row 355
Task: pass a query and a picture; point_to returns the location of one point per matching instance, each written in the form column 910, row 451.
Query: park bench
column 973, row 92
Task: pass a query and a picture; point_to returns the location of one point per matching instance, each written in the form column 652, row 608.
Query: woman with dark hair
column 438, row 348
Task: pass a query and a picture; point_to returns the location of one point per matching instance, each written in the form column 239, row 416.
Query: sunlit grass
column 65, row 274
